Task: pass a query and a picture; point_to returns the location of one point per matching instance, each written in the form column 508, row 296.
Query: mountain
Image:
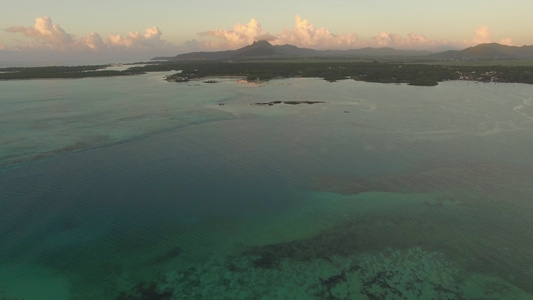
column 376, row 52
column 256, row 50
column 265, row 50
column 487, row 52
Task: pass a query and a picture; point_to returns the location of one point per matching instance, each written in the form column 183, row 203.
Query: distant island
column 262, row 61
column 60, row 72
column 261, row 50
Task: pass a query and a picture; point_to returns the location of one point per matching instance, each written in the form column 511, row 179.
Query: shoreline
column 415, row 74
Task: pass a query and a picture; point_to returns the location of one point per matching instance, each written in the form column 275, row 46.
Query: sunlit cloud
column 507, row 42
column 305, row 34
column 95, row 42
column 483, row 35
column 240, row 35
column 45, row 35
column 151, row 39
column 397, row 41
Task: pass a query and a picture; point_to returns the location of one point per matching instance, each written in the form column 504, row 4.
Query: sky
column 100, row 29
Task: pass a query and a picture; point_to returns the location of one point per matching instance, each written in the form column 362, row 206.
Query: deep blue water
column 140, row 180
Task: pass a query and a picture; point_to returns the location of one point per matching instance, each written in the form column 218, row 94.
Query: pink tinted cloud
column 507, row 42
column 46, row 35
column 94, row 42
column 240, row 35
column 305, row 34
column 151, row 39
column 483, row 35
column 409, row 41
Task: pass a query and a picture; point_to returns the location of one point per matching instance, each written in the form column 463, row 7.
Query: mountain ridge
column 488, row 51
column 263, row 49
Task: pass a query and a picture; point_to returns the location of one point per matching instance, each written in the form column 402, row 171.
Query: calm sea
column 136, row 188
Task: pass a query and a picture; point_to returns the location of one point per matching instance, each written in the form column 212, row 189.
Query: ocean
column 137, row 188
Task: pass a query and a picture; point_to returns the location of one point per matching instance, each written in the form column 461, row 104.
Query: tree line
column 382, row 72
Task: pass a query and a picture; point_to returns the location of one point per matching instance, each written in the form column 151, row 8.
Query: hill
column 492, row 51
column 263, row 49
column 257, row 50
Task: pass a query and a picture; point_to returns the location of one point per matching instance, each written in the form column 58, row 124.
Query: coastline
column 416, row 74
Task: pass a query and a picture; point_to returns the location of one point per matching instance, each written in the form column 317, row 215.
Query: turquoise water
column 117, row 188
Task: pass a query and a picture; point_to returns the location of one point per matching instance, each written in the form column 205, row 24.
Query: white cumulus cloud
column 45, row 35
column 410, row 41
column 94, row 42
column 507, row 42
column 305, row 34
column 483, row 35
column 151, row 39
column 240, row 35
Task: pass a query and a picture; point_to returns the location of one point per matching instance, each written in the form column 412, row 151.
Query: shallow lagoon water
column 122, row 186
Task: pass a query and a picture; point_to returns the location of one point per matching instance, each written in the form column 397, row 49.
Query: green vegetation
column 519, row 74
column 413, row 73
column 424, row 82
column 330, row 71
column 382, row 72
column 61, row 72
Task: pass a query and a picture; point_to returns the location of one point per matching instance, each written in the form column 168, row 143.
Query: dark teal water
column 143, row 187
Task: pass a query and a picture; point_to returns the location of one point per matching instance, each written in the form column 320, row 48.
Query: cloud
column 44, row 35
column 150, row 40
column 483, row 35
column 240, row 35
column 94, row 42
column 304, row 34
column 410, row 41
column 507, row 42
column 266, row 37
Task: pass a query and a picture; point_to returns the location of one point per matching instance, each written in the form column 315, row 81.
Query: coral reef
column 391, row 274
column 145, row 291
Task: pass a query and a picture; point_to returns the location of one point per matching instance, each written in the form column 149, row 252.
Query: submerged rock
column 170, row 254
column 392, row 274
column 285, row 102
